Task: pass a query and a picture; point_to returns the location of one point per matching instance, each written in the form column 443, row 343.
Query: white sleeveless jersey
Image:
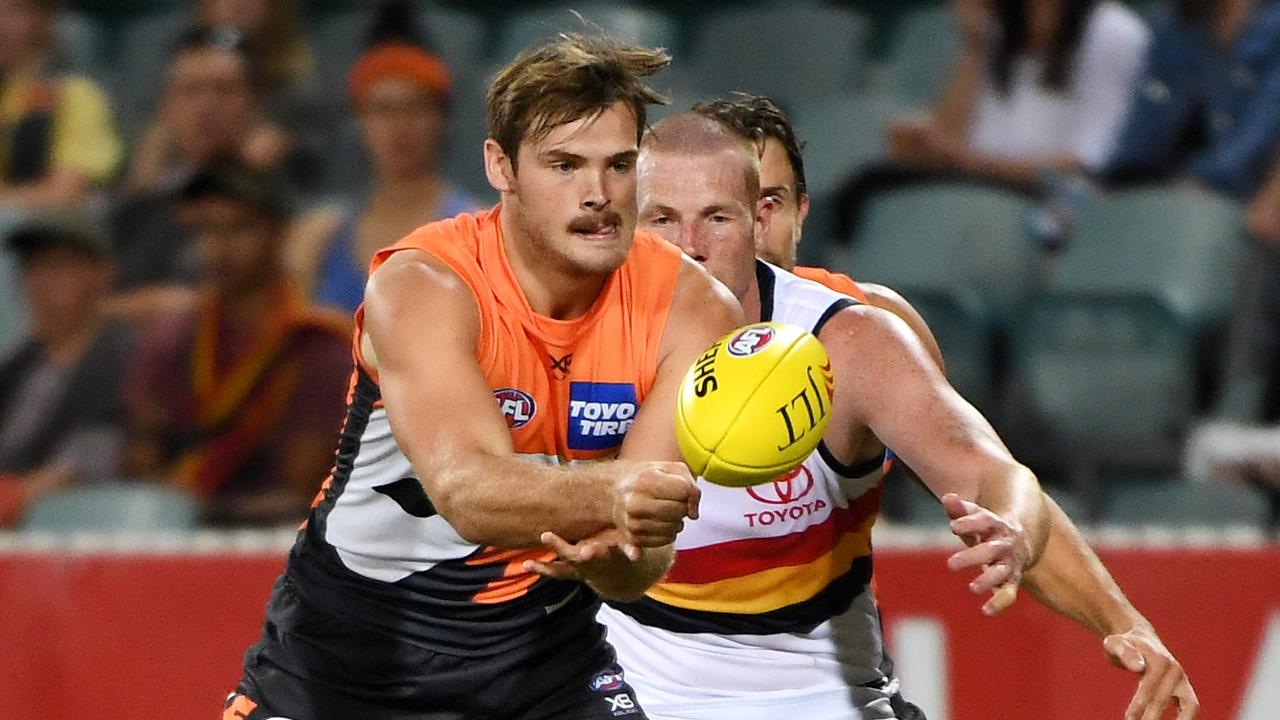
column 768, row 608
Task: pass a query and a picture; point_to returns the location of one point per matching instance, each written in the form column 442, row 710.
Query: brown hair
column 572, row 77
column 758, row 118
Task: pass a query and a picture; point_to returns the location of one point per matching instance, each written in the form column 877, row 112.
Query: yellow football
column 755, row 404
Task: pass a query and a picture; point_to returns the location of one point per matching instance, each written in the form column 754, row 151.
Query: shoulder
column 864, row 335
column 412, row 275
column 836, row 281
column 453, row 242
column 886, row 298
column 414, row 289
column 465, row 228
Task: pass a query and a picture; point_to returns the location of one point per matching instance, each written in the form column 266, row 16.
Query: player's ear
column 802, row 209
column 499, row 168
column 765, row 208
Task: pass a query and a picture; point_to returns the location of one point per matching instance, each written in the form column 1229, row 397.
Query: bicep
column 893, row 387
column 702, row 312
column 422, row 325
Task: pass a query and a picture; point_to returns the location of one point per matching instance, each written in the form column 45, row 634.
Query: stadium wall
column 144, row 628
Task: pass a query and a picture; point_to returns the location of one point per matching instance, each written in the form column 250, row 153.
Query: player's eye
column 563, row 166
column 622, row 166
column 660, row 220
column 718, row 218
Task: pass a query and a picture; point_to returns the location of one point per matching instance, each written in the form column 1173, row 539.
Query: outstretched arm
column 1071, row 580
column 702, row 311
column 886, row 382
column 421, row 328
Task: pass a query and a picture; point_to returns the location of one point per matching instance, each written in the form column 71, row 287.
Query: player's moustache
column 595, row 221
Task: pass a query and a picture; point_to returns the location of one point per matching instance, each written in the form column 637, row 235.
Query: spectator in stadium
column 57, row 137
column 1208, row 109
column 237, row 399
column 62, row 412
column 401, row 95
column 1207, row 103
column 273, row 29
column 1041, row 89
column 210, row 110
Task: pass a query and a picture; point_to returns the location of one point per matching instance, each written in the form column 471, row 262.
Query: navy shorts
column 310, row 667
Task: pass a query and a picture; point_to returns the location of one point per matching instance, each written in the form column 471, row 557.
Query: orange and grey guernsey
column 375, row 552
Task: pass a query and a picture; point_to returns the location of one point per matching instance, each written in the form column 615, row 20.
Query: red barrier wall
column 161, row 636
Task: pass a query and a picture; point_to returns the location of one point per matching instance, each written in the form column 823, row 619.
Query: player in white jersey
column 768, row 610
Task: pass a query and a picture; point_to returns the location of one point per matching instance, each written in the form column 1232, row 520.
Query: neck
column 550, row 290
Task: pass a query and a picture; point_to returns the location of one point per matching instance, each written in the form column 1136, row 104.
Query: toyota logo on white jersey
column 786, row 489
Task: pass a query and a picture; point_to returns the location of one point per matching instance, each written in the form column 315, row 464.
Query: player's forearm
column 508, row 502
column 1015, row 495
column 1072, row 581
column 624, row 580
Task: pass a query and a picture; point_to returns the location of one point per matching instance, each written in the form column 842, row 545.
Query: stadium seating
column 1110, row 378
column 1182, row 501
column 840, row 132
column 12, row 314
column 776, row 51
column 923, row 52
column 965, row 242
column 1178, row 245
column 624, row 22
column 112, row 506
column 964, row 334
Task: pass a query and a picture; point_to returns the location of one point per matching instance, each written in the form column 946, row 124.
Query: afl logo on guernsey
column 750, row 341
column 788, row 488
column 517, row 406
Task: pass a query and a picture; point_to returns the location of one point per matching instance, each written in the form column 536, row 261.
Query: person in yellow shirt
column 57, row 137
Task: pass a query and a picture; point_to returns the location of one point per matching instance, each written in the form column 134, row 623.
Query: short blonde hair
column 572, row 77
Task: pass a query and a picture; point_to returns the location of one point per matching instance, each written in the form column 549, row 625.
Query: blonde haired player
column 767, row 612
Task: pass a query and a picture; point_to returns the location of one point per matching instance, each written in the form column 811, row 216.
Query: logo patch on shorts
column 622, row 704
column 606, row 680
column 750, row 341
column 517, row 406
column 600, row 414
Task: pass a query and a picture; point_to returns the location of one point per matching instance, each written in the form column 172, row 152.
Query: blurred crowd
column 187, row 267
